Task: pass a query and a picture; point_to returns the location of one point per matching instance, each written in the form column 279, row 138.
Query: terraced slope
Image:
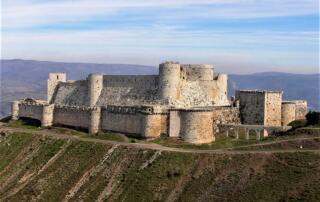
column 35, row 167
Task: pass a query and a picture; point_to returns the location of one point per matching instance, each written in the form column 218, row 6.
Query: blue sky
column 237, row 36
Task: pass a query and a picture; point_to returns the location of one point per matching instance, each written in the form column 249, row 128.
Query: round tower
column 197, row 126
column 169, row 79
column 95, row 117
column 15, row 110
column 47, row 115
column 95, row 85
column 151, row 125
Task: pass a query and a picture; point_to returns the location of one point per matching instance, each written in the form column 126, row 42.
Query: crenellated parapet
column 76, row 108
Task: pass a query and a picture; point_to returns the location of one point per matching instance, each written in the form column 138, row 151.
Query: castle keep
column 183, row 100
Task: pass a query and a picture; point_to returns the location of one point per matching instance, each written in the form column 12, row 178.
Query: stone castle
column 184, row 100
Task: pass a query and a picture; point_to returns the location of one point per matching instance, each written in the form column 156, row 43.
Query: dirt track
column 154, row 146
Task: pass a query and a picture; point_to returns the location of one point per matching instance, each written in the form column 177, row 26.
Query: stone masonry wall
column 288, row 113
column 273, row 102
column 153, row 125
column 251, row 107
column 72, row 116
column 301, row 109
column 225, row 115
column 176, row 85
column 128, row 90
column 31, row 111
column 120, row 122
column 72, row 94
column 174, row 123
column 197, row 126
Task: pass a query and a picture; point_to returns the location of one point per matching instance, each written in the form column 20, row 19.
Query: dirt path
column 154, row 146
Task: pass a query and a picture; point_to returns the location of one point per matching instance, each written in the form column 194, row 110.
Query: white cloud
column 17, row 13
column 151, row 46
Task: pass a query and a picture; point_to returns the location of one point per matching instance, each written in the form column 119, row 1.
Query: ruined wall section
column 200, row 87
column 272, row 109
column 128, row 90
column 288, row 113
column 220, row 90
column 293, row 110
column 72, row 93
column 301, row 109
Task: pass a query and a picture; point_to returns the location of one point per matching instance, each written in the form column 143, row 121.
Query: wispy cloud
column 224, row 32
column 17, row 13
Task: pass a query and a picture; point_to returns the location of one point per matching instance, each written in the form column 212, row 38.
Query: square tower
column 260, row 107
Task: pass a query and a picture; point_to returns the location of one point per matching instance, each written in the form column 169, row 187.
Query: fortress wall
column 225, row 115
column 251, row 107
column 288, row 110
column 301, row 109
column 197, row 126
column 72, row 94
column 31, row 111
column 217, row 89
column 272, row 108
column 220, row 90
column 174, row 124
column 72, row 116
column 128, row 90
column 125, row 122
column 153, row 125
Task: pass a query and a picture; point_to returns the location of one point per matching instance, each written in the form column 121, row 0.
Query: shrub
column 313, row 118
column 298, row 123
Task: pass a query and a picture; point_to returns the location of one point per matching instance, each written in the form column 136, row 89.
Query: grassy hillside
column 35, row 167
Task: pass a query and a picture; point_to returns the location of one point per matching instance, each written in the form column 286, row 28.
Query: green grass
column 109, row 136
column 194, row 177
column 22, row 124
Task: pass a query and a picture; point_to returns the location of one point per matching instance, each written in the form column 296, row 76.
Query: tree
column 313, row 118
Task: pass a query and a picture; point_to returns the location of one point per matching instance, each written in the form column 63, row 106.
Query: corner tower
column 53, row 81
column 169, row 79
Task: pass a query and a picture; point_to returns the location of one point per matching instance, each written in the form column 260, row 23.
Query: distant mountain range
column 27, row 78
